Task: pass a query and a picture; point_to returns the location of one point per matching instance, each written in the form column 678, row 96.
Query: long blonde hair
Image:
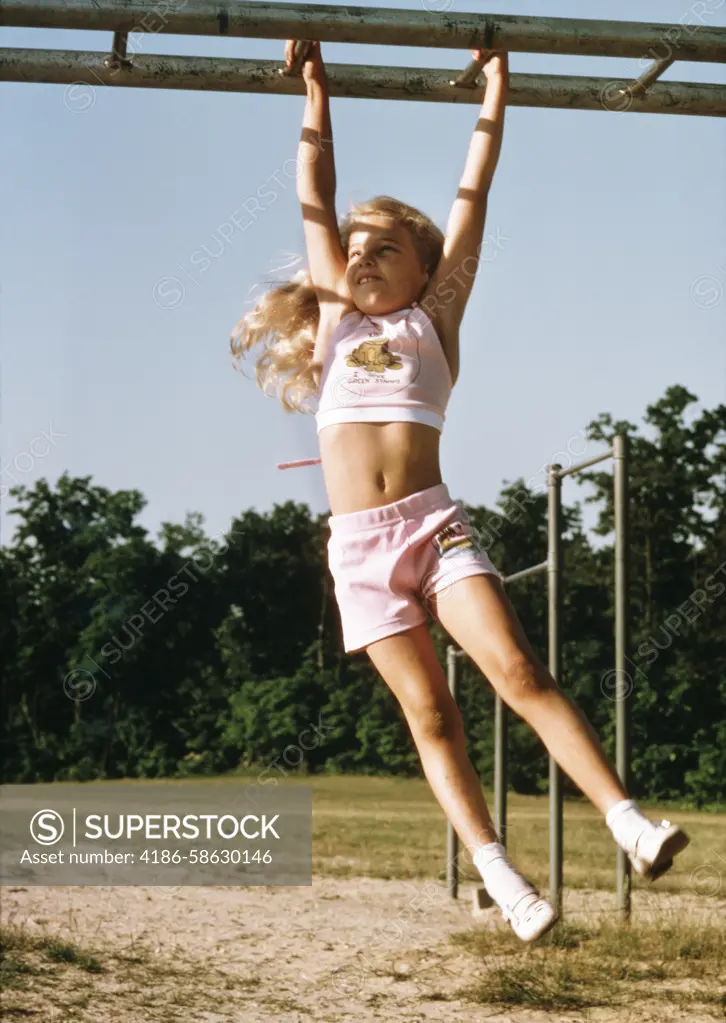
column 285, row 320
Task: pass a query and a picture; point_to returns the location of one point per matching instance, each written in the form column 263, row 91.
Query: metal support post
column 623, row 681
column 469, row 76
column 501, row 732
column 554, row 591
column 117, row 58
column 501, row 728
column 452, row 839
column 650, row 75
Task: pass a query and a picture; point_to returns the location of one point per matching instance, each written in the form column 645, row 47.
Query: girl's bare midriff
column 367, row 465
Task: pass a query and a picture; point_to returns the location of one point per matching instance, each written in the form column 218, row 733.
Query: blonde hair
column 285, row 320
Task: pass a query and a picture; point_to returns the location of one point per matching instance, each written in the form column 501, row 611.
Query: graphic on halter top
column 374, row 356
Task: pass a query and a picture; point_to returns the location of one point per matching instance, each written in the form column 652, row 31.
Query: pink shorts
column 387, row 561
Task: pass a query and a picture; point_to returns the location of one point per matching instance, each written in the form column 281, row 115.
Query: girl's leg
column 476, row 612
column 408, row 663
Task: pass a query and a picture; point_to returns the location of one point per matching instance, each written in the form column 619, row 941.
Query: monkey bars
column 658, row 46
column 381, row 26
column 67, row 67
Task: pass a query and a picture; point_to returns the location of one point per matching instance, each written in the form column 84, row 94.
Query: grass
column 42, row 977
column 17, row 945
column 394, row 828
column 577, row 967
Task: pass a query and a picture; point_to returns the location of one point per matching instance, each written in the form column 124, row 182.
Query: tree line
column 128, row 656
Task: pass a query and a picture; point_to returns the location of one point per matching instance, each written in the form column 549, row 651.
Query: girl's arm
column 448, row 290
column 316, row 191
column 316, row 165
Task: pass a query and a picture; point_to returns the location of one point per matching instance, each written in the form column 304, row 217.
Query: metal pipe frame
column 554, row 630
column 534, row 570
column 622, row 649
column 583, row 465
column 501, row 735
column 118, row 57
column 379, row 26
column 650, row 75
column 619, row 452
column 223, row 74
column 468, row 77
column 452, row 838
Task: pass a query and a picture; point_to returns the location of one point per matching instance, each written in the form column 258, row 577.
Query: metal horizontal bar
column 584, row 465
column 69, row 67
column 380, row 26
column 534, row 570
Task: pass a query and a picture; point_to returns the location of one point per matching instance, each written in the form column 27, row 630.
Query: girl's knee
column 525, row 680
column 438, row 721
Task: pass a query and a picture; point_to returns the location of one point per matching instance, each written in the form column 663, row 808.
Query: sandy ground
column 349, row 951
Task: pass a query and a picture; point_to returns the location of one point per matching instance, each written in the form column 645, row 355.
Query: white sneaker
column 530, row 916
column 654, row 849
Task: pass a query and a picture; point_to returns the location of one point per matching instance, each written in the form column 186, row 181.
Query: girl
column 373, row 332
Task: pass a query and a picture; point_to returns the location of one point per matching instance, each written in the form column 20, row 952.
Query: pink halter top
column 382, row 369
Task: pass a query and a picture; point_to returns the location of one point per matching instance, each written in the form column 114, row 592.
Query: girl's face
column 384, row 270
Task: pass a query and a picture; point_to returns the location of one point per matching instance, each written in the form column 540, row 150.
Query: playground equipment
column 553, row 566
column 127, row 21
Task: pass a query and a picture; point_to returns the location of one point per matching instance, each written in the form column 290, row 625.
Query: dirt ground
column 344, row 950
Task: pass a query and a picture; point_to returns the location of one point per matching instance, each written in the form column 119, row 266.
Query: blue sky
column 603, row 284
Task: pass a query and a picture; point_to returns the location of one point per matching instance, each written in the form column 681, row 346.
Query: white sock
column 501, row 878
column 626, row 823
